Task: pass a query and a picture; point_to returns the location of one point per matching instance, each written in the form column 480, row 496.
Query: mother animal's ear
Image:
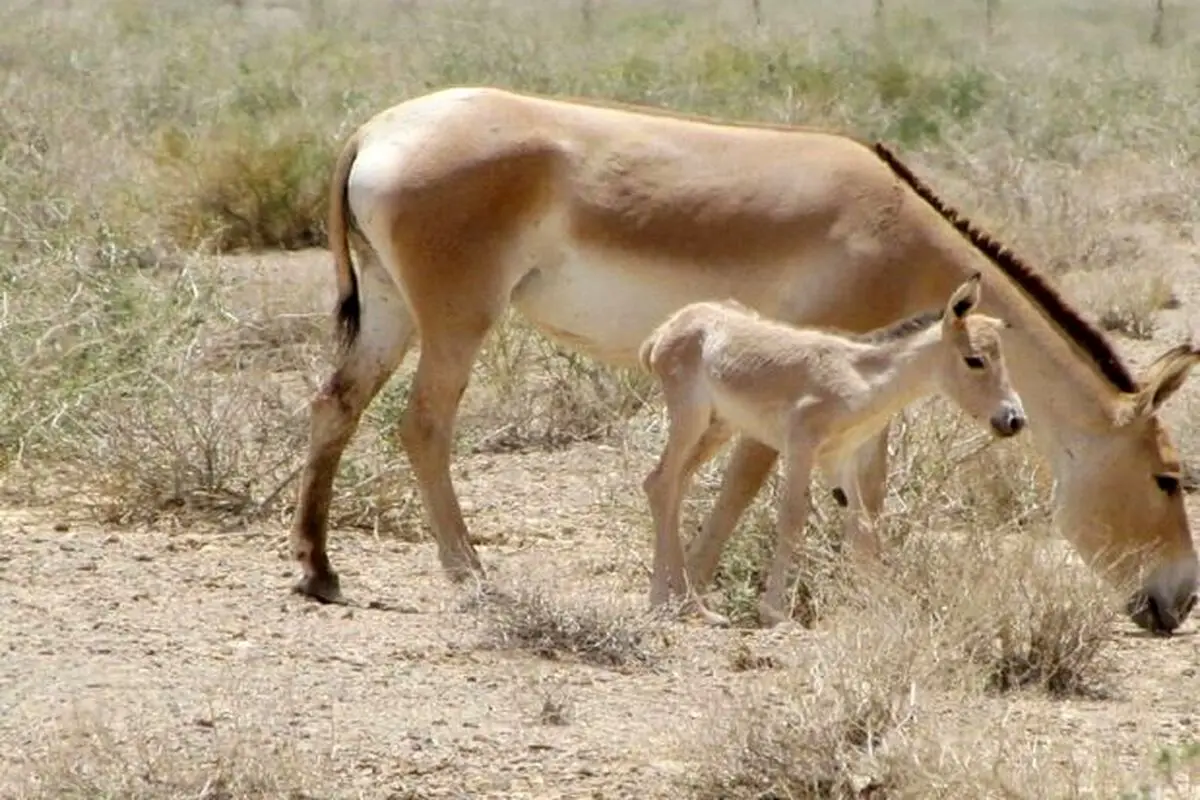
column 965, row 298
column 1164, row 377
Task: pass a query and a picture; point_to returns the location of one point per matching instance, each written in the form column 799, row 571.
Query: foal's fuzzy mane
column 901, row 329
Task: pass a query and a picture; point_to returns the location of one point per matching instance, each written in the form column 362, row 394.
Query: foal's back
column 752, row 370
column 753, row 354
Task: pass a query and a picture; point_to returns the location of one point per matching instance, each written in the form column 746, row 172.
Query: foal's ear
column 1164, row 377
column 965, row 298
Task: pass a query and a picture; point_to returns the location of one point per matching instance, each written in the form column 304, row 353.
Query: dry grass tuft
column 193, row 446
column 1016, row 613
column 541, row 396
column 823, row 730
column 248, row 187
column 92, row 762
column 1127, row 301
column 948, row 621
column 556, row 709
column 533, row 619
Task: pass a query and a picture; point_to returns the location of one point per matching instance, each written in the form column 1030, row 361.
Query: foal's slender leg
column 790, row 522
column 714, row 438
column 748, row 467
column 664, row 487
column 386, row 332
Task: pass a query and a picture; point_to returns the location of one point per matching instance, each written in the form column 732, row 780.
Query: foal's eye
column 1168, row 482
column 974, row 362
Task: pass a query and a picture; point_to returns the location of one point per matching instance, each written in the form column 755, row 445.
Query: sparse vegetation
column 548, row 625
column 93, row 760
column 1133, row 303
column 157, row 354
column 820, row 731
column 241, row 190
column 556, row 709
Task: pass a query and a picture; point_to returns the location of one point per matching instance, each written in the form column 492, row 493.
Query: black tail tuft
column 349, row 315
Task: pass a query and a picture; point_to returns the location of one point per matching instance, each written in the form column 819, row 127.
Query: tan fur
column 596, row 223
column 813, row 395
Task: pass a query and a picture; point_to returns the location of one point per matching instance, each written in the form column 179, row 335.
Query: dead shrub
column 1016, row 611
column 90, row 759
column 542, row 396
column 947, row 471
column 178, row 442
column 823, row 729
column 535, row 620
column 248, row 185
column 1126, row 301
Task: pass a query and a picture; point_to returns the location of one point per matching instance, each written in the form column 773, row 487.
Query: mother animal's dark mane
column 1034, row 285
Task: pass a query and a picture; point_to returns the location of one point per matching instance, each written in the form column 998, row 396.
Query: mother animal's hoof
column 325, row 587
column 463, row 568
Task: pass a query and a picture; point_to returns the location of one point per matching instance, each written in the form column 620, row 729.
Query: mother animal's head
column 1120, row 500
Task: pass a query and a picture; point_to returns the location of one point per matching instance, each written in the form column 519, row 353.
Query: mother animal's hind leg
column 386, row 331
column 449, row 345
column 748, row 467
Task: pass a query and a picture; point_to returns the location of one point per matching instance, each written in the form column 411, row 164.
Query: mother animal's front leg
column 862, row 481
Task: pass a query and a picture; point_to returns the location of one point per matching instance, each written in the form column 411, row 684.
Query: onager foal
column 814, row 396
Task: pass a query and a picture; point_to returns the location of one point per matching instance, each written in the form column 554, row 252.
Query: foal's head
column 973, row 372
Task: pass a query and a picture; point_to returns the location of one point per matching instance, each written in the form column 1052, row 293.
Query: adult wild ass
column 597, row 222
column 814, row 396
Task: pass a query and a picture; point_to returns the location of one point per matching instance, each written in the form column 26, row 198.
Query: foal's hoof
column 695, row 609
column 713, row 619
column 325, row 588
column 770, row 617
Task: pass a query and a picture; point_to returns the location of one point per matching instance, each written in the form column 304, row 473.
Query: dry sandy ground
column 150, row 653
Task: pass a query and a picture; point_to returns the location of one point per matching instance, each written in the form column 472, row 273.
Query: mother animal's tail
column 349, row 310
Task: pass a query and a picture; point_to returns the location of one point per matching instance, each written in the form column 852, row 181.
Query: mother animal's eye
column 974, row 362
column 1168, row 482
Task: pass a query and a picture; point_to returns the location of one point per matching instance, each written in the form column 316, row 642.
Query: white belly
column 605, row 305
column 768, row 426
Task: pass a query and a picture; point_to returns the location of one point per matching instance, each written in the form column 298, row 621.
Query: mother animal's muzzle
column 1157, row 615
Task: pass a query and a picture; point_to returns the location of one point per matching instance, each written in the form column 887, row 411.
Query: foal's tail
column 647, row 349
column 348, row 312
column 646, row 352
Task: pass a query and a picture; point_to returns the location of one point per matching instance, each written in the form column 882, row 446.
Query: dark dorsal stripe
column 1039, row 290
column 909, row 326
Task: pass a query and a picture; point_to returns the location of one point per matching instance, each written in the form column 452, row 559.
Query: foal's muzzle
column 1008, row 421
